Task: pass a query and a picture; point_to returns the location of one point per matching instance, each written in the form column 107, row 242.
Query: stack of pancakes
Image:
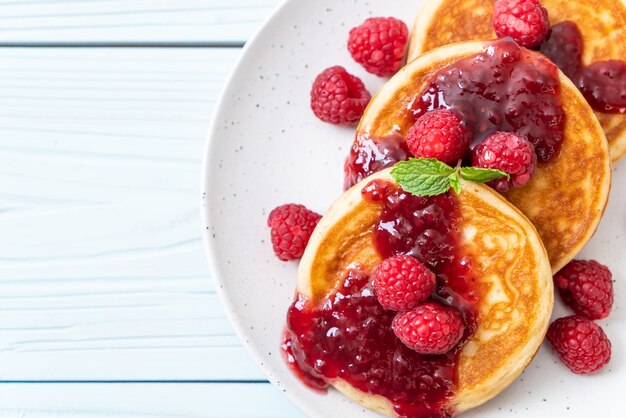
column 601, row 22
column 516, row 241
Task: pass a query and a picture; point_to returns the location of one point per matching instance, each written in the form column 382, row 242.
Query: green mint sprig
column 430, row 177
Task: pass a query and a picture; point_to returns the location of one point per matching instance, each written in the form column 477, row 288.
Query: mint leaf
column 423, row 176
column 455, row 182
column 430, row 177
column 482, row 175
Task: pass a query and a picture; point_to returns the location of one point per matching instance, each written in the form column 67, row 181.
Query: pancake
column 511, row 271
column 601, row 22
column 566, row 196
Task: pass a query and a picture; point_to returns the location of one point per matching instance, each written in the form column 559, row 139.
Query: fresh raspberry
column 526, row 21
column 338, row 97
column 508, row 152
column 439, row 134
column 291, row 227
column 378, row 44
column 430, row 328
column 587, row 287
column 402, row 282
column 580, row 343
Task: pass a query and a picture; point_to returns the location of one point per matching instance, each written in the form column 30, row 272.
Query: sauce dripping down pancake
column 490, row 265
column 350, row 337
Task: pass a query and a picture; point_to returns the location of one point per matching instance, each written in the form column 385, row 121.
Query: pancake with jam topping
column 584, row 36
column 490, row 265
column 500, row 86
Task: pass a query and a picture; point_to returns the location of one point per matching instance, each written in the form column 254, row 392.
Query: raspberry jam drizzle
column 603, row 83
column 371, row 154
column 348, row 335
column 505, row 88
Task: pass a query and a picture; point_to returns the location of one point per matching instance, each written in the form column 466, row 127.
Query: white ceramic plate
column 267, row 148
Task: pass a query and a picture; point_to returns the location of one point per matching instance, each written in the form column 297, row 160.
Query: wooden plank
column 104, row 275
column 144, row 400
column 131, row 20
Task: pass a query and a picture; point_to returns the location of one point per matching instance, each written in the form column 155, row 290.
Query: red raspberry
column 291, row 227
column 430, row 328
column 580, row 343
column 587, row 287
column 526, row 21
column 378, row 44
column 508, row 152
column 338, row 97
column 402, row 282
column 439, row 134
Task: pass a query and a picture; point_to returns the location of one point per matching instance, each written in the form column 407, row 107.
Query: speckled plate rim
column 209, row 244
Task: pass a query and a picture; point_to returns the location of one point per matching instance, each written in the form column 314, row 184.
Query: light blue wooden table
column 106, row 304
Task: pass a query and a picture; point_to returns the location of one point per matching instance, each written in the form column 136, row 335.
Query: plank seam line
column 221, row 44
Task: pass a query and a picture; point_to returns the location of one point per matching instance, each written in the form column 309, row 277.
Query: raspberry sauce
column 377, row 190
column 505, row 88
column 427, row 229
column 603, row 83
column 371, row 154
column 349, row 336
